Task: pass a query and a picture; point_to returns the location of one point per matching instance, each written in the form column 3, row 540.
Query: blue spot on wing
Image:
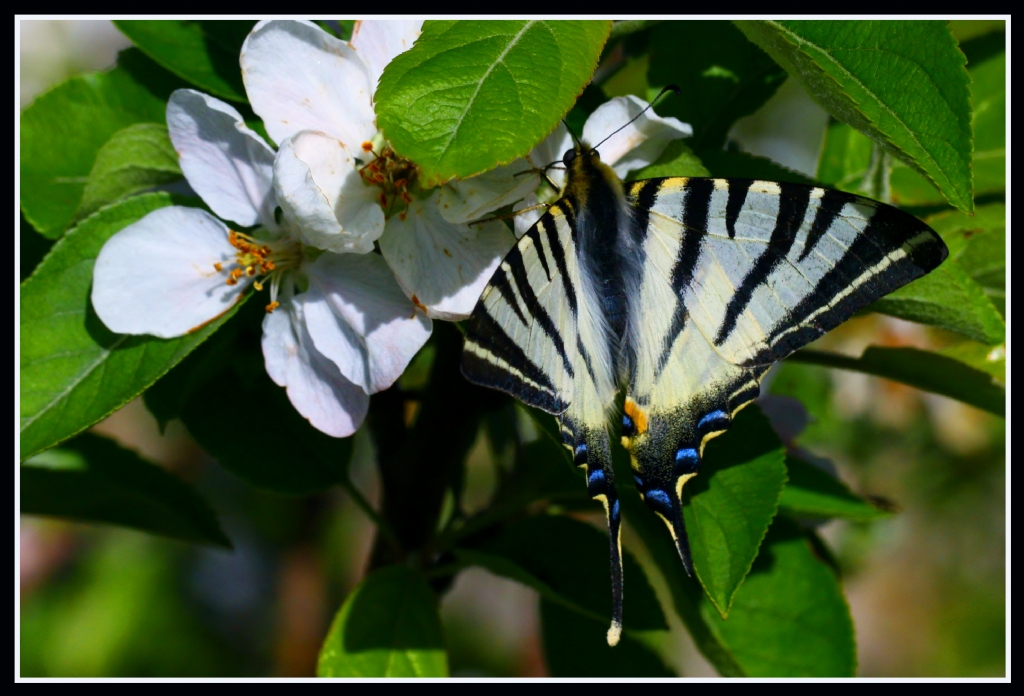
column 687, row 461
column 615, row 510
column 716, row 420
column 660, row 497
column 596, row 477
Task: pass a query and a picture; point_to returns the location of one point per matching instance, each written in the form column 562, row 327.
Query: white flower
column 314, row 92
column 636, row 146
column 349, row 333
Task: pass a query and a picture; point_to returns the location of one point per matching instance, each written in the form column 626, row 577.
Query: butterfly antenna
column 667, row 88
column 574, row 136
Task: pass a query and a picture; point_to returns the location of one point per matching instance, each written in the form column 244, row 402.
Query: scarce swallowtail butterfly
column 683, row 291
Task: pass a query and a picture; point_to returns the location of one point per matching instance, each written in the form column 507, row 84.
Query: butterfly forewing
column 737, row 275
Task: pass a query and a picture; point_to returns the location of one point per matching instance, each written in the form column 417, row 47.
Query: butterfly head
column 582, row 165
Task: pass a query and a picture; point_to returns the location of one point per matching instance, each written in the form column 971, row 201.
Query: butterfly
column 684, row 291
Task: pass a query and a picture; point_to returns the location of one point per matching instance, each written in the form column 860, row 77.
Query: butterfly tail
column 679, row 534
column 592, row 452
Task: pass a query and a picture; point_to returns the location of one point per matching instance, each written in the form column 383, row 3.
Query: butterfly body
column 684, row 291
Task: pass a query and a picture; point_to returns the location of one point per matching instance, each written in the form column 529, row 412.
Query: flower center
column 392, row 174
column 264, row 261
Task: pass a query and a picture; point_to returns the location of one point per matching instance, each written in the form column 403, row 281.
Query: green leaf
column 676, row 160
column 902, row 83
column 236, row 413
column 978, row 245
column 723, row 76
column 950, row 299
column 74, row 371
column 924, row 370
column 988, row 359
column 93, row 479
column 204, row 52
column 64, row 129
column 387, row 627
column 470, row 95
column 729, row 505
column 134, row 159
column 988, row 92
column 790, row 618
column 32, row 247
column 567, row 562
column 733, row 163
column 686, row 592
column 575, row 646
column 813, row 492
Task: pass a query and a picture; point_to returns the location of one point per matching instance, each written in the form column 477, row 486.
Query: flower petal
column 225, row 162
column 299, row 77
column 316, row 389
column 472, row 198
column 359, row 317
column 378, row 41
column 524, row 221
column 441, row 266
column 321, row 191
column 638, row 144
column 156, row 276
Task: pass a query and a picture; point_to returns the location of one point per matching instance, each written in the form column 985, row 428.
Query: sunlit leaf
column 64, row 129
column 93, row 479
column 387, row 627
column 903, row 83
column 135, row 158
column 789, row 619
column 922, row 369
column 471, row 94
column 74, row 371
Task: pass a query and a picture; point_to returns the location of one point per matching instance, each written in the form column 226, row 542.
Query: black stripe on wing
column 865, row 273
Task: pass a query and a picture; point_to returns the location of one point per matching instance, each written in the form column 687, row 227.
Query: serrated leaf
column 135, row 158
column 470, row 95
column 676, row 160
column 236, row 413
column 93, row 479
column 729, row 505
column 74, row 371
column 723, row 77
column 948, row 298
column 387, row 627
column 978, row 245
column 966, row 29
column 790, row 618
column 204, row 52
column 813, row 492
column 922, row 369
column 902, row 83
column 575, row 646
column 567, row 562
column 64, row 129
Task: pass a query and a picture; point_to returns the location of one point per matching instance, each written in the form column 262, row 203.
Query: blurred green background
column 926, row 586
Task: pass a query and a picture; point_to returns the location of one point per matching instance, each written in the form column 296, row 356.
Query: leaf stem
column 363, row 504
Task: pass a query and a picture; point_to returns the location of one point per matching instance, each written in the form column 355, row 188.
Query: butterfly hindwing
column 742, row 273
column 536, row 334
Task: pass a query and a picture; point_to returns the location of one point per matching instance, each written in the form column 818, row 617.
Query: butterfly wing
column 536, row 334
column 737, row 275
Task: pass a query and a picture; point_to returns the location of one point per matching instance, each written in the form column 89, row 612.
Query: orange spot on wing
column 637, row 414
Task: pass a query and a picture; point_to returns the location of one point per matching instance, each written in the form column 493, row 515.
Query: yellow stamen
column 272, row 306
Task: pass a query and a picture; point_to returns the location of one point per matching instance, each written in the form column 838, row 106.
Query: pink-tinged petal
column 225, row 162
column 321, row 192
column 359, row 317
column 443, row 267
column 314, row 385
column 378, row 41
column 473, row 198
column 299, row 77
column 550, row 151
column 638, row 144
column 157, row 275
